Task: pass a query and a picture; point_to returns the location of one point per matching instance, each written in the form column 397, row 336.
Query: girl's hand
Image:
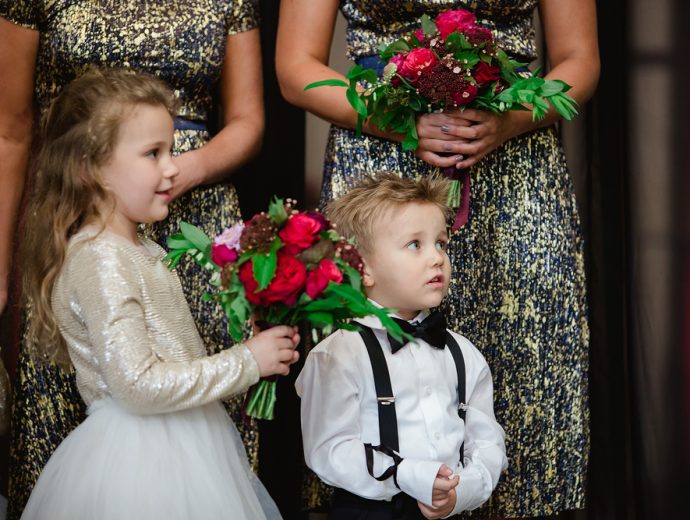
column 442, row 137
column 274, row 350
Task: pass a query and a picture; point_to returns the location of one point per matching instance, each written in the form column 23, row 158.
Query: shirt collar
column 374, row 323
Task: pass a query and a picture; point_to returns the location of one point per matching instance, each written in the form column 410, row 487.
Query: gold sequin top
column 372, row 22
column 130, row 333
column 182, row 42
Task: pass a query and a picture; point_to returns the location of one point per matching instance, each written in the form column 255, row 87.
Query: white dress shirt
column 340, row 414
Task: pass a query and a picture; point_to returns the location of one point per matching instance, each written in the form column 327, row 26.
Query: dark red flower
column 285, row 286
column 300, row 231
column 465, row 95
column 447, row 88
column 484, row 74
column 318, row 279
column 478, row 35
column 222, row 255
column 323, row 221
column 457, row 20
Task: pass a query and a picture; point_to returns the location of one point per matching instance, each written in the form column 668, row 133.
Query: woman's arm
column 570, row 29
column 305, row 34
column 243, row 117
column 18, row 48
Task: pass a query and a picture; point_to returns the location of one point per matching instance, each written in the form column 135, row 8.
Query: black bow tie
column 432, row 330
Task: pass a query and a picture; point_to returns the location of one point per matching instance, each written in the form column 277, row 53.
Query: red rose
column 284, row 287
column 484, row 73
column 222, row 255
column 478, row 35
column 318, row 279
column 466, row 94
column 299, row 232
column 417, row 61
column 450, row 21
column 318, row 217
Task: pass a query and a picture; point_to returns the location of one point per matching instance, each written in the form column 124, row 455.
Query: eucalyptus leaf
column 195, row 235
column 327, row 83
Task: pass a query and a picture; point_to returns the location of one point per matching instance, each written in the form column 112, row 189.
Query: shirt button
column 437, row 436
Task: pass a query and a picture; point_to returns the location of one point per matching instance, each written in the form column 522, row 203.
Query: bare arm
column 18, row 48
column 305, row 35
column 243, row 117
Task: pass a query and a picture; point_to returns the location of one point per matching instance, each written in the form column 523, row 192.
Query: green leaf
column 196, row 236
column 552, row 87
column 179, row 242
column 394, row 48
column 276, row 210
column 468, row 59
column 264, row 268
column 428, row 26
column 327, row 83
column 356, row 102
column 320, row 318
column 458, row 42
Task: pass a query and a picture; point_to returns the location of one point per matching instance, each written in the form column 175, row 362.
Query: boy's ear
column 367, row 277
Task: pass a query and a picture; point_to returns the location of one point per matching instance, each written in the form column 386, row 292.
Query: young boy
column 390, row 425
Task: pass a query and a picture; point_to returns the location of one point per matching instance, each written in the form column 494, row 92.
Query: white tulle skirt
column 185, row 465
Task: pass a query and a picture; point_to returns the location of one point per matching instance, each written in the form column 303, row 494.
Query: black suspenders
column 388, row 421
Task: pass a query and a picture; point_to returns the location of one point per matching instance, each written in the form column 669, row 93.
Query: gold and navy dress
column 183, row 43
column 518, row 285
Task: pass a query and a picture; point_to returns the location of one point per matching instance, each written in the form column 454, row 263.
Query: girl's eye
column 152, row 153
column 413, row 245
column 441, row 245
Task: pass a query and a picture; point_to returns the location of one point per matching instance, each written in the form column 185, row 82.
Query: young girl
column 157, row 443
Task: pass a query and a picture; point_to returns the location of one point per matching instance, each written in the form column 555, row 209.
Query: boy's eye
column 413, row 245
column 441, row 245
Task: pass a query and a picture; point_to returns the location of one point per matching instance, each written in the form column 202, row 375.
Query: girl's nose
column 171, row 170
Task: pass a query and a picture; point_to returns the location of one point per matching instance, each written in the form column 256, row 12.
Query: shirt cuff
column 416, row 478
column 472, row 490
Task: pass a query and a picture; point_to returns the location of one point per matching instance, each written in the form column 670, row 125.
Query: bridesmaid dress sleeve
column 21, row 12
column 241, row 16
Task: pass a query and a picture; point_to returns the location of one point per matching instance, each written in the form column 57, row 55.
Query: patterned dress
column 183, row 43
column 518, row 285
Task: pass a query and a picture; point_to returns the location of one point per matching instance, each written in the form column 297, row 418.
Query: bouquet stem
column 459, row 195
column 261, row 400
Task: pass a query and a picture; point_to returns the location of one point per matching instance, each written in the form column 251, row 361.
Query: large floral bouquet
column 449, row 63
column 280, row 267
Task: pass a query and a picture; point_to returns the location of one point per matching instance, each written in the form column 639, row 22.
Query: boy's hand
column 274, row 350
column 443, row 494
column 440, row 512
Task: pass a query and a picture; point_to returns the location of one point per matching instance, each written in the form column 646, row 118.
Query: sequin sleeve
column 105, row 288
column 242, row 16
column 24, row 13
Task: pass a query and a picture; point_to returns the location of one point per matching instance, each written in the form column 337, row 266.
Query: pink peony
column 450, row 21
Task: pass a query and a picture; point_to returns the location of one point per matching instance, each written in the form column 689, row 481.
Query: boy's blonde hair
column 78, row 135
column 355, row 213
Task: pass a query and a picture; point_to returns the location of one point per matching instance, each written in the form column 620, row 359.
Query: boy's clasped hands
column 443, row 495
